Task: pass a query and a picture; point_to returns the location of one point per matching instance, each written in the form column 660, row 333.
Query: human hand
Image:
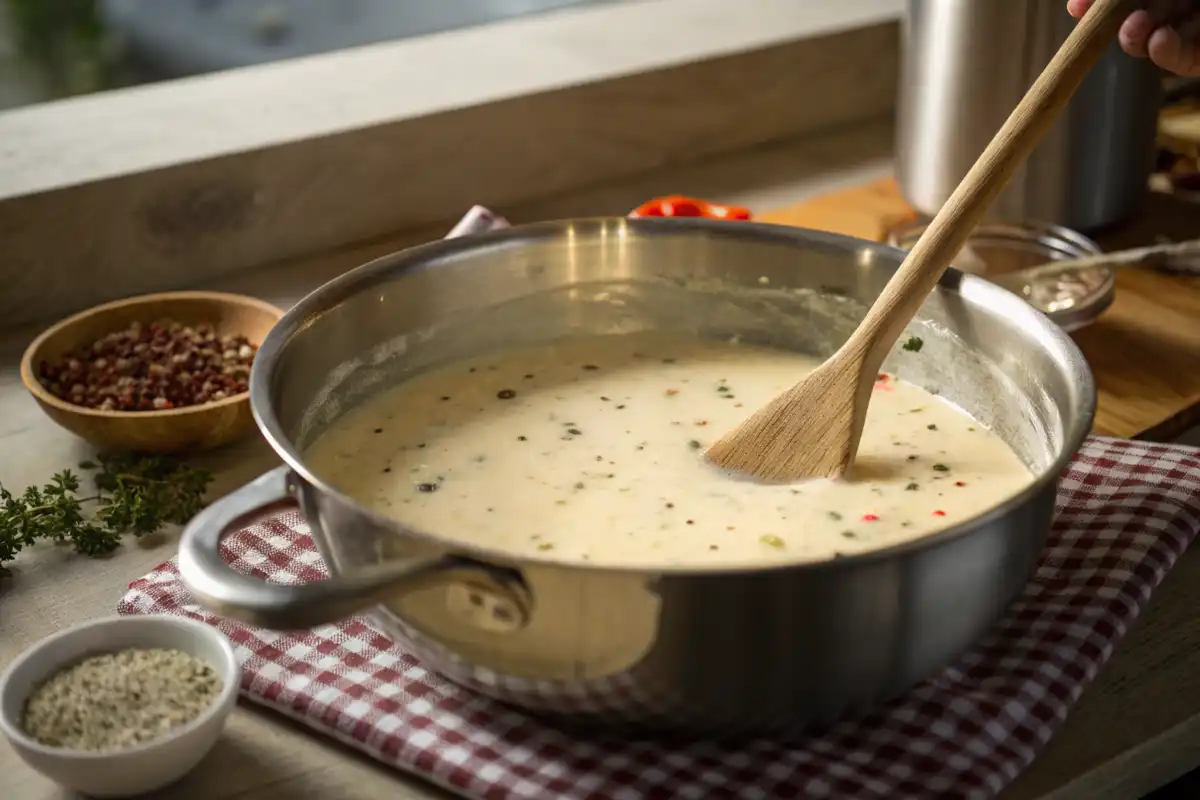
column 1167, row 32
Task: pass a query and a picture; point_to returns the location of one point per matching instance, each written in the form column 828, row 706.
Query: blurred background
column 57, row 48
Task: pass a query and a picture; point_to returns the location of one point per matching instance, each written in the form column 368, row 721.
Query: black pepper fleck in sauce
column 576, row 402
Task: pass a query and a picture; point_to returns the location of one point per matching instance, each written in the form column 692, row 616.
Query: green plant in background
column 65, row 40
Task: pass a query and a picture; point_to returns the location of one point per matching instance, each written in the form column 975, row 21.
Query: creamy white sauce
column 593, row 450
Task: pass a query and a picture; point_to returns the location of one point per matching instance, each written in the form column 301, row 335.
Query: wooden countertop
column 1136, row 728
column 1144, row 351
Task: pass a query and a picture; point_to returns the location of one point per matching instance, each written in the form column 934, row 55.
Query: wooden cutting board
column 1145, row 350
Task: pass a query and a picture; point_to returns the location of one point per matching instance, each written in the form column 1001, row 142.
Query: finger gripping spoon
column 813, row 429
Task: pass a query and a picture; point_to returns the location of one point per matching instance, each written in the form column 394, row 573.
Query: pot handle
column 496, row 593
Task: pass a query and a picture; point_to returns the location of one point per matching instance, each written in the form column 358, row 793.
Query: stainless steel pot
column 967, row 63
column 734, row 650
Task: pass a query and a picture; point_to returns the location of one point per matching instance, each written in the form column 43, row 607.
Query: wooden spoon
column 813, row 429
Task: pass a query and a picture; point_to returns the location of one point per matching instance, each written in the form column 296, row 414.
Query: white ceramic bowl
column 134, row 770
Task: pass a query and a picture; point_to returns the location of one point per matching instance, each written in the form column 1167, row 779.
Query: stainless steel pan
column 698, row 650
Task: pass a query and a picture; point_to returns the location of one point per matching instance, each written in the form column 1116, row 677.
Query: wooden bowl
column 176, row 430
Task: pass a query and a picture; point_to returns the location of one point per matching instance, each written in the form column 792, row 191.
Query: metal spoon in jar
column 1160, row 255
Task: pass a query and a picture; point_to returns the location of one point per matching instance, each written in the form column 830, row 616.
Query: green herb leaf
column 137, row 495
column 914, row 344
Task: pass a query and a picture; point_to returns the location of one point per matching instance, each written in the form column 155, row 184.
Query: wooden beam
column 176, row 185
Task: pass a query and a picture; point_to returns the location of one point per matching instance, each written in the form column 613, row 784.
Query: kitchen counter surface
column 1138, row 727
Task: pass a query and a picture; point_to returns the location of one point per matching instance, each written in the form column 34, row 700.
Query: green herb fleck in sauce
column 914, row 344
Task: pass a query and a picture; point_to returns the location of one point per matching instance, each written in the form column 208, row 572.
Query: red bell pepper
column 680, row 206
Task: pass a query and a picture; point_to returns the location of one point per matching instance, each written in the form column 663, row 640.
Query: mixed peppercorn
column 152, row 367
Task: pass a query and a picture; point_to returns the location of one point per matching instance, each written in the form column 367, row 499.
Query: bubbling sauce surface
column 593, row 450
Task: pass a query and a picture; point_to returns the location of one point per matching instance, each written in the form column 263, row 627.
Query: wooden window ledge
column 180, row 183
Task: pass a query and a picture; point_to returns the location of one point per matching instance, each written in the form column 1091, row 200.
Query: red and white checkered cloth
column 1126, row 511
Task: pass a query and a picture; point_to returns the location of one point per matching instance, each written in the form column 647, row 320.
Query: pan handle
column 497, row 593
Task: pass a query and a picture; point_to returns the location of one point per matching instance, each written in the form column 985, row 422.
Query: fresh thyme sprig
column 133, row 494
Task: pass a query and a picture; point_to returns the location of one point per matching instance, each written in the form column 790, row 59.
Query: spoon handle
column 945, row 236
column 1152, row 256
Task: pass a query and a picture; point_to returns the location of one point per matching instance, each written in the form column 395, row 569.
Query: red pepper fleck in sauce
column 939, row 513
column 883, row 381
column 672, row 392
column 870, row 517
column 960, row 483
